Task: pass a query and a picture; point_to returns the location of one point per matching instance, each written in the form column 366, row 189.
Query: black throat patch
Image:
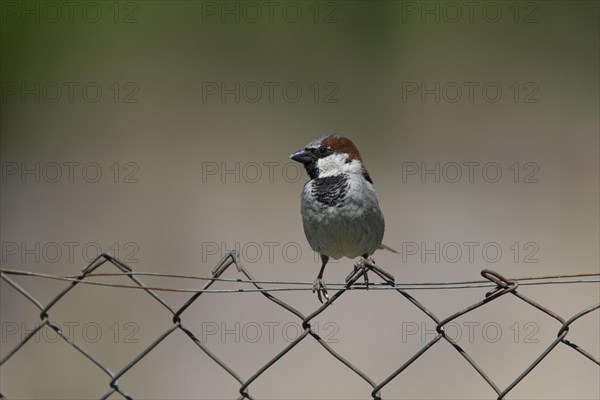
column 311, row 169
column 330, row 190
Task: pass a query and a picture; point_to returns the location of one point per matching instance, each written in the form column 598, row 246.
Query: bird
column 339, row 206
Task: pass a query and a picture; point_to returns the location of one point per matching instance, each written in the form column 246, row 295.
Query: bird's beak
column 303, row 156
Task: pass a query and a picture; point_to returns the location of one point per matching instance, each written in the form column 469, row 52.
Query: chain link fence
column 501, row 286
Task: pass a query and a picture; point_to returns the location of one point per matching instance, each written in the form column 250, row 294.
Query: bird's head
column 330, row 156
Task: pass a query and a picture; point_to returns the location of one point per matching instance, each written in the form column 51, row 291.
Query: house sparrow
column 339, row 206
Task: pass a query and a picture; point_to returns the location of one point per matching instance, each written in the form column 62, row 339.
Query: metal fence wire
column 501, row 286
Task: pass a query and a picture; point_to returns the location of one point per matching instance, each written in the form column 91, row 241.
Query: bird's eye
column 323, row 150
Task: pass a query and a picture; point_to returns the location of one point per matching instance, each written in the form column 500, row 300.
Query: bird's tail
column 384, row 247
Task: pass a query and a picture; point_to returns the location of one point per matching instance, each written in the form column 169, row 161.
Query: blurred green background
column 189, row 111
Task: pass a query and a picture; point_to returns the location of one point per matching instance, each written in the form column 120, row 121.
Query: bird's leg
column 360, row 266
column 319, row 283
column 357, row 266
column 365, row 260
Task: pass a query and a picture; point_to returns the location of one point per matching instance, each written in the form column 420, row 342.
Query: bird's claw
column 321, row 289
column 361, row 266
column 364, row 266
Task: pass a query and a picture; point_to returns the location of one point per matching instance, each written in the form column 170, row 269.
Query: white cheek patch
column 353, row 167
column 336, row 164
column 331, row 165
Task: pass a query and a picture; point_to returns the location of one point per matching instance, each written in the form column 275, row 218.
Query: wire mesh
column 501, row 286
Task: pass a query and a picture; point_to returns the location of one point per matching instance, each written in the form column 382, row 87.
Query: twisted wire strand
column 471, row 284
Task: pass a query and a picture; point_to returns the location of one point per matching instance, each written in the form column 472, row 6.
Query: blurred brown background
column 161, row 131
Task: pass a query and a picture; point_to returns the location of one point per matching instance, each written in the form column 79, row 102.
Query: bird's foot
column 321, row 289
column 365, row 264
column 357, row 266
column 362, row 267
